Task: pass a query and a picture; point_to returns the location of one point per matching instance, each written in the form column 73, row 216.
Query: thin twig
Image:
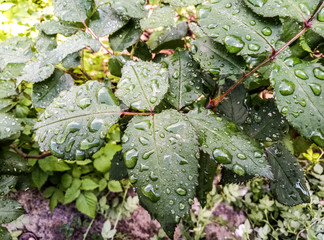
column 136, row 113
column 88, row 229
column 27, row 156
column 97, row 38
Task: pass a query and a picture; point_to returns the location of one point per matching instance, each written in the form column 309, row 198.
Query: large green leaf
column 214, row 58
column 237, row 27
column 299, row 96
column 185, row 79
column 161, row 17
column 9, row 126
column 318, row 24
column 184, row 3
column 87, row 203
column 73, row 10
column 169, row 38
column 45, row 92
column 125, row 37
column 7, row 88
column 103, row 158
column 131, row 8
column 75, row 125
column 5, row 234
column 289, row 184
column 106, row 21
column 7, row 182
column 58, row 27
column 143, row 85
column 228, row 145
column 12, row 163
column 52, row 164
column 12, row 71
column 45, row 43
column 10, row 210
column 265, row 122
column 161, row 153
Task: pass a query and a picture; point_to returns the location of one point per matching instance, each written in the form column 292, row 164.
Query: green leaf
column 169, row 38
column 66, row 180
column 45, row 92
column 118, row 170
column 5, row 234
column 299, row 96
column 237, row 27
column 161, row 17
column 102, row 184
column 75, row 125
column 186, row 82
column 161, row 154
column 88, row 184
column 86, row 203
column 184, row 3
column 214, row 58
column 299, row 10
column 15, row 50
column 131, row 8
column 7, row 182
column 318, row 23
column 114, row 186
column 52, row 164
column 102, row 158
column 228, row 145
column 234, row 106
column 58, row 27
column 106, row 21
column 125, row 37
column 265, row 122
column 73, row 192
column 207, row 172
column 143, row 85
column 11, row 71
column 116, row 64
column 72, row 60
column 229, row 177
column 9, row 126
column 289, row 184
column 7, row 88
column 12, row 163
column 72, row 10
column 10, row 210
column 39, row 177
column 45, row 43
column 55, row 199
column 142, row 51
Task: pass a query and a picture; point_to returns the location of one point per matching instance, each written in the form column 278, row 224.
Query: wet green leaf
column 58, row 27
column 116, row 64
column 161, row 156
column 131, row 8
column 72, row 60
column 161, row 17
column 7, row 88
column 184, row 3
column 103, row 158
column 7, row 182
column 5, row 234
column 73, row 192
column 143, row 85
column 12, row 163
column 229, row 145
column 9, row 126
column 318, row 23
column 88, row 184
column 39, row 177
column 75, row 125
column 289, row 184
column 234, row 25
column 10, row 210
column 86, row 203
column 186, row 82
column 45, row 43
column 73, row 10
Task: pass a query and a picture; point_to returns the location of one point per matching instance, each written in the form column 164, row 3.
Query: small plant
column 180, row 114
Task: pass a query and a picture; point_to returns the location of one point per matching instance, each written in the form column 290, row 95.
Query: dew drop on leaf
column 181, row 206
column 147, row 154
column 84, row 102
column 286, row 87
column 222, row 156
column 254, row 47
column 153, row 177
column 181, row 191
column 144, row 141
column 238, row 169
column 257, row 3
column 86, row 144
column 241, row 156
column 79, row 155
column 301, row 74
column 266, row 31
column 130, row 158
column 318, row 137
column 316, row 88
column 233, row 43
column 181, row 160
column 132, row 179
column 320, row 16
column 96, row 124
column 144, row 125
column 149, row 192
column 319, row 73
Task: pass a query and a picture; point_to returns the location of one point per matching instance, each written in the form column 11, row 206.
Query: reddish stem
column 27, row 156
column 135, row 113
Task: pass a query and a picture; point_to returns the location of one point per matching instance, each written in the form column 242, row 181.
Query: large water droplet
column 241, row 156
column 316, row 88
column 144, row 141
column 222, row 156
column 144, row 125
column 133, row 179
column 254, row 47
column 233, row 43
column 181, row 206
column 319, row 73
column 106, row 96
column 181, row 191
column 318, row 137
column 96, row 124
column 266, row 31
column 181, row 160
column 130, row 158
column 176, row 127
column 79, row 155
column 286, row 87
column 149, row 192
column 153, row 177
column 148, row 154
column 84, row 102
column 55, row 149
column 292, row 61
column 301, row 74
column 143, row 167
column 302, row 190
column 238, row 169
column 257, row 3
column 86, row 144
column 320, row 16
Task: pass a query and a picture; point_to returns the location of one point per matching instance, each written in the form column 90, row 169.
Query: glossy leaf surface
column 161, row 17
column 72, row 10
column 184, row 3
column 9, row 126
column 131, row 8
column 58, row 27
column 10, row 210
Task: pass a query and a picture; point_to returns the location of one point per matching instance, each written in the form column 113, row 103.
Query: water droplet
column 125, row 138
column 318, row 137
column 238, row 169
column 228, row 5
column 153, row 177
column 302, row 190
column 171, row 202
column 241, row 156
column 191, row 201
column 181, row 160
column 133, row 179
column 149, row 192
column 286, row 87
column 301, row 74
column 214, row 71
column 175, row 75
column 266, row 31
column 130, row 158
column 257, row 3
column 96, row 124
column 69, row 145
column 79, row 155
column 284, row 110
column 167, row 159
column 143, row 167
column 258, row 154
column 292, row 61
column 86, row 144
column 106, row 96
column 253, row 22
column 222, row 156
column 144, row 141
column 84, row 102
column 316, row 88
column 55, row 149
column 181, row 206
column 319, row 73
column 144, row 125
column 233, row 43
column 181, row 191
column 148, row 154
column 248, row 37
column 304, row 8
column 320, row 16
column 254, row 47
column 176, row 127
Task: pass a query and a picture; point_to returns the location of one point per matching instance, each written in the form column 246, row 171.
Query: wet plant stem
column 88, row 229
column 27, row 156
column 136, row 113
column 214, row 102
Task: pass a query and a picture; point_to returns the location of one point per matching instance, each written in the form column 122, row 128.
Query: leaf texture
column 131, row 8
column 161, row 17
column 9, row 126
column 72, row 10
column 184, row 3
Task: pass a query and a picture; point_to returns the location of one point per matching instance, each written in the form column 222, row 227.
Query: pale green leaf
column 7, row 182
column 229, row 145
column 52, row 164
column 161, row 17
column 73, row 191
column 114, row 186
column 45, row 43
column 131, row 8
column 10, row 210
column 75, row 125
column 7, row 88
column 58, row 27
column 55, row 199
column 143, row 85
column 161, row 154
column 73, row 10
column 88, row 184
column 39, row 177
column 9, row 126
column 72, row 60
column 184, row 3
column 103, row 158
column 86, row 203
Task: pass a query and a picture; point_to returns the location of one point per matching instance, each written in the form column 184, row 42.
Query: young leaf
column 73, row 192
column 45, row 92
column 299, row 96
column 169, row 38
column 160, row 152
column 161, row 17
column 237, row 27
column 131, row 8
column 87, row 203
column 75, row 125
column 39, row 177
column 7, row 183
column 289, row 184
column 184, row 3
column 10, row 210
column 116, row 64
column 88, row 184
column 45, row 43
column 58, row 27
column 185, row 79
column 265, row 122
column 143, row 85
column 106, row 21
column 214, row 58
column 103, row 158
column 125, row 37
column 9, row 126
column 228, row 145
column 12, row 163
column 55, row 199
column 52, row 164
column 73, row 10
